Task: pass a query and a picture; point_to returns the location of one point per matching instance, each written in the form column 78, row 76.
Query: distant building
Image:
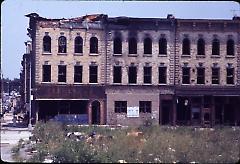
column 126, row 70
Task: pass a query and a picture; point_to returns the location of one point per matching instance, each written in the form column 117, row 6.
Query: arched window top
column 47, row 44
column 230, row 47
column 132, row 45
column 147, row 45
column 62, row 44
column 78, row 46
column 186, row 46
column 117, row 45
column 162, row 46
column 201, row 47
column 215, row 47
column 93, row 45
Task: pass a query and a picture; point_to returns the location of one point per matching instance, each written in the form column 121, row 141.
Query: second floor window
column 186, row 75
column 94, row 45
column 230, row 75
column 162, row 75
column 200, row 75
column 62, row 44
column 78, row 74
column 62, row 73
column 215, row 47
column 200, row 47
column 117, row 74
column 147, row 46
column 230, row 47
column 78, row 45
column 93, row 74
column 117, row 46
column 215, row 75
column 163, row 46
column 46, row 73
column 145, row 106
column 47, row 44
column 147, row 79
column 186, row 46
column 132, row 46
column 132, row 75
column 120, row 106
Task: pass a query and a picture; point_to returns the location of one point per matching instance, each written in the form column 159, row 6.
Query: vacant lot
column 155, row 144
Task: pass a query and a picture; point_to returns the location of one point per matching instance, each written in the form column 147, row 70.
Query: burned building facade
column 123, row 70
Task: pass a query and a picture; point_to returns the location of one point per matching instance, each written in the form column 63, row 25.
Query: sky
column 14, row 24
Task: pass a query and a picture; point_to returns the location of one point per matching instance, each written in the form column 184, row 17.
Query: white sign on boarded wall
column 133, row 111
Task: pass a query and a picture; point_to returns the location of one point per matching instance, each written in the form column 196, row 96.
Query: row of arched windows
column 201, row 47
column 62, row 44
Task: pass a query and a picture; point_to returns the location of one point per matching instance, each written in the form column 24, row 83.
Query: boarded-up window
column 47, row 44
column 162, row 46
column 186, row 46
column 94, row 45
column 200, row 75
column 62, row 44
column 78, row 45
column 147, row 79
column 46, row 73
column 78, row 74
column 162, row 75
column 215, row 47
column 215, row 75
column 230, row 75
column 93, row 74
column 117, row 74
column 230, row 47
column 145, row 106
column 62, row 73
column 117, row 46
column 120, row 106
column 186, row 75
column 132, row 75
column 201, row 47
column 132, row 46
column 147, row 46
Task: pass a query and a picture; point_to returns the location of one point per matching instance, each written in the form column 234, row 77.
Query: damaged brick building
column 123, row 70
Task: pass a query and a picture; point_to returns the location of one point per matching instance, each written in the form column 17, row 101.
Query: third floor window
column 47, row 44
column 94, row 45
column 62, row 44
column 163, row 46
column 200, row 47
column 78, row 45
column 117, row 46
column 132, row 46
column 230, row 47
column 186, row 46
column 147, row 46
column 215, row 47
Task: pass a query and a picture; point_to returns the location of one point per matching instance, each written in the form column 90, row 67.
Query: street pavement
column 10, row 135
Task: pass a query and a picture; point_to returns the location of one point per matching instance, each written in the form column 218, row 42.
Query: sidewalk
column 10, row 135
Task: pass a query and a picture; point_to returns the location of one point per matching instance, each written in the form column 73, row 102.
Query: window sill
column 132, row 84
column 62, row 82
column 147, row 55
column 78, row 54
column 62, row 54
column 147, row 83
column 215, row 56
column 188, row 56
column 162, row 84
column 46, row 53
column 116, row 83
column 117, row 54
column 200, row 56
column 162, row 55
column 92, row 83
column 77, row 83
column 186, row 84
column 93, row 54
column 132, row 55
column 44, row 82
column 228, row 56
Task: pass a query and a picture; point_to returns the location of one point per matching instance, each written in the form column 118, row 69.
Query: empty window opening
column 200, row 75
column 120, row 106
column 78, row 74
column 132, row 75
column 62, row 72
column 215, row 75
column 117, row 46
column 62, row 44
column 132, row 46
column 163, row 46
column 230, row 47
column 94, row 45
column 147, row 46
column 47, row 44
column 145, row 106
column 117, row 74
column 201, row 47
column 93, row 74
column 186, row 75
column 162, row 75
column 78, row 46
column 147, row 75
column 46, row 73
column 215, row 47
column 230, row 75
column 186, row 46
